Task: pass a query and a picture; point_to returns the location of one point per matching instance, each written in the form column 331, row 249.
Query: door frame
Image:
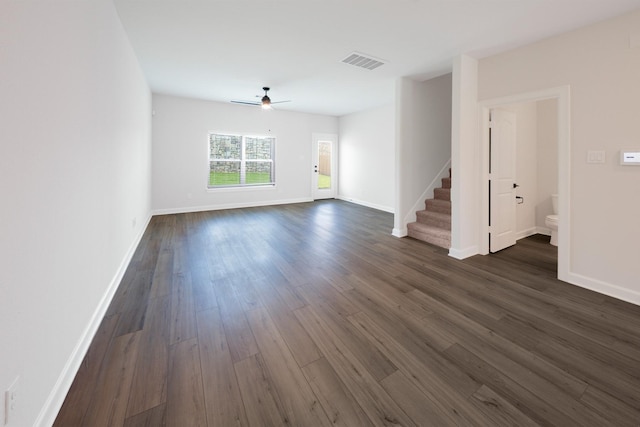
column 562, row 95
column 315, row 137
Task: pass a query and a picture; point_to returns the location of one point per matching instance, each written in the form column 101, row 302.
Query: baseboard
column 463, row 253
column 604, row 288
column 400, row 232
column 56, row 398
column 367, row 204
column 543, row 230
column 189, row 209
column 526, row 233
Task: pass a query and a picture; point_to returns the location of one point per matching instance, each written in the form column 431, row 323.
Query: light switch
column 595, row 156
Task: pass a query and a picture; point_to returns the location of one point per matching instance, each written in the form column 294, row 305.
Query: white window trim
column 243, row 161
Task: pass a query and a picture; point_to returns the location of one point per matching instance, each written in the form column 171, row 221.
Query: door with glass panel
column 324, row 166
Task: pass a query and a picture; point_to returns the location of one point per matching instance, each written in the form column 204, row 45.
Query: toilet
column 551, row 221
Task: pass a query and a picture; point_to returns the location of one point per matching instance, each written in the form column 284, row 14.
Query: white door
column 502, row 180
column 324, row 166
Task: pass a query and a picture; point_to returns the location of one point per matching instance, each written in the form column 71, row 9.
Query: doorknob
column 515, row 185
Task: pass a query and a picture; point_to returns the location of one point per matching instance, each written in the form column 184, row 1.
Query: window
column 237, row 161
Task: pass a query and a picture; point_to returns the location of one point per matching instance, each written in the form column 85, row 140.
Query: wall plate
column 630, row 157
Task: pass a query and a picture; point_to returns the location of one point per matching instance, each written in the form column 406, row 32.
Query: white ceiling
column 228, row 49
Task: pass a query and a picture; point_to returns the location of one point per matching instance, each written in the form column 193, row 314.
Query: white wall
column 367, row 167
column 74, row 175
column 602, row 68
column 423, row 144
column 180, row 153
column 466, row 212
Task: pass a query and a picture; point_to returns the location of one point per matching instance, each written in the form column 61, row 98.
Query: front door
column 502, row 180
column 324, row 177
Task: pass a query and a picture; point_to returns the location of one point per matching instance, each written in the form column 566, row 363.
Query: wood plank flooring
column 314, row 315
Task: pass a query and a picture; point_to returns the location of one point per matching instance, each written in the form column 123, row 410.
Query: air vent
column 363, row 61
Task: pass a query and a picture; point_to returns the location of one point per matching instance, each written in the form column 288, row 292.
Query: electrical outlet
column 11, row 402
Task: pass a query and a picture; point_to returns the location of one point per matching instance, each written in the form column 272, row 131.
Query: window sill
column 266, row 187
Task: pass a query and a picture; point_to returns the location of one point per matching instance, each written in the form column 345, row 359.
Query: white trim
column 563, row 96
column 59, row 391
column 437, row 181
column 464, row 253
column 367, row 204
column 526, row 233
column 614, row 291
column 543, row 230
column 399, row 232
column 250, row 187
column 188, row 209
column 335, row 159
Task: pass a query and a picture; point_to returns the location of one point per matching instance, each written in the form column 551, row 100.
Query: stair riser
column 438, row 241
column 425, row 217
column 446, row 182
column 438, row 206
column 442, row 193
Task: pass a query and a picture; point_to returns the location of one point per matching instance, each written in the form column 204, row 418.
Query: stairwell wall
column 423, row 143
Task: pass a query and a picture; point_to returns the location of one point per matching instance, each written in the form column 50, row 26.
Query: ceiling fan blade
column 245, row 102
column 280, row 102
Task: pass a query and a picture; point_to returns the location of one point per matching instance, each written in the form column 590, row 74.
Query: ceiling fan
column 265, row 102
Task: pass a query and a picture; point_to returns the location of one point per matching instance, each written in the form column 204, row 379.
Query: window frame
column 243, row 161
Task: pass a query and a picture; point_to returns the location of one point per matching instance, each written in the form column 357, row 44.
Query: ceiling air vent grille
column 363, row 61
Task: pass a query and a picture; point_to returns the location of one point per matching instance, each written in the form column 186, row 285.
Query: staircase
column 433, row 225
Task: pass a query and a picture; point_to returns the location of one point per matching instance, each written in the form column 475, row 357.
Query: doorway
column 561, row 95
column 324, row 158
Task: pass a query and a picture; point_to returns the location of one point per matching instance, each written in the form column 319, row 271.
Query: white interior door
column 502, row 180
column 325, row 166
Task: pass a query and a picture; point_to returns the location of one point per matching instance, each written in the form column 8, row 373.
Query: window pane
column 224, row 173
column 258, row 148
column 225, row 146
column 324, row 165
column 258, row 172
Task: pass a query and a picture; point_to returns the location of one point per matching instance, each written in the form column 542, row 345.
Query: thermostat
column 630, row 157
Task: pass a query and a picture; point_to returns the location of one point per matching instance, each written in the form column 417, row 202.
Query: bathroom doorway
column 542, row 166
column 523, row 170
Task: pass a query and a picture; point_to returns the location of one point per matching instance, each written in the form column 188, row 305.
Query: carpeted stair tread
column 446, row 182
column 427, row 233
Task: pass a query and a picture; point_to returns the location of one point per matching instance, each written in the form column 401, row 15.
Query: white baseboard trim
column 367, row 204
column 399, row 232
column 463, row 253
column 188, row 209
column 59, row 392
column 604, row 288
column 543, row 230
column 526, row 233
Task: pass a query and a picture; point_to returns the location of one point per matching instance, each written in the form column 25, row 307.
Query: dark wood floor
column 314, row 315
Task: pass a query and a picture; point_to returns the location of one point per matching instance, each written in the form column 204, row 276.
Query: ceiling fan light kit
column 265, row 102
